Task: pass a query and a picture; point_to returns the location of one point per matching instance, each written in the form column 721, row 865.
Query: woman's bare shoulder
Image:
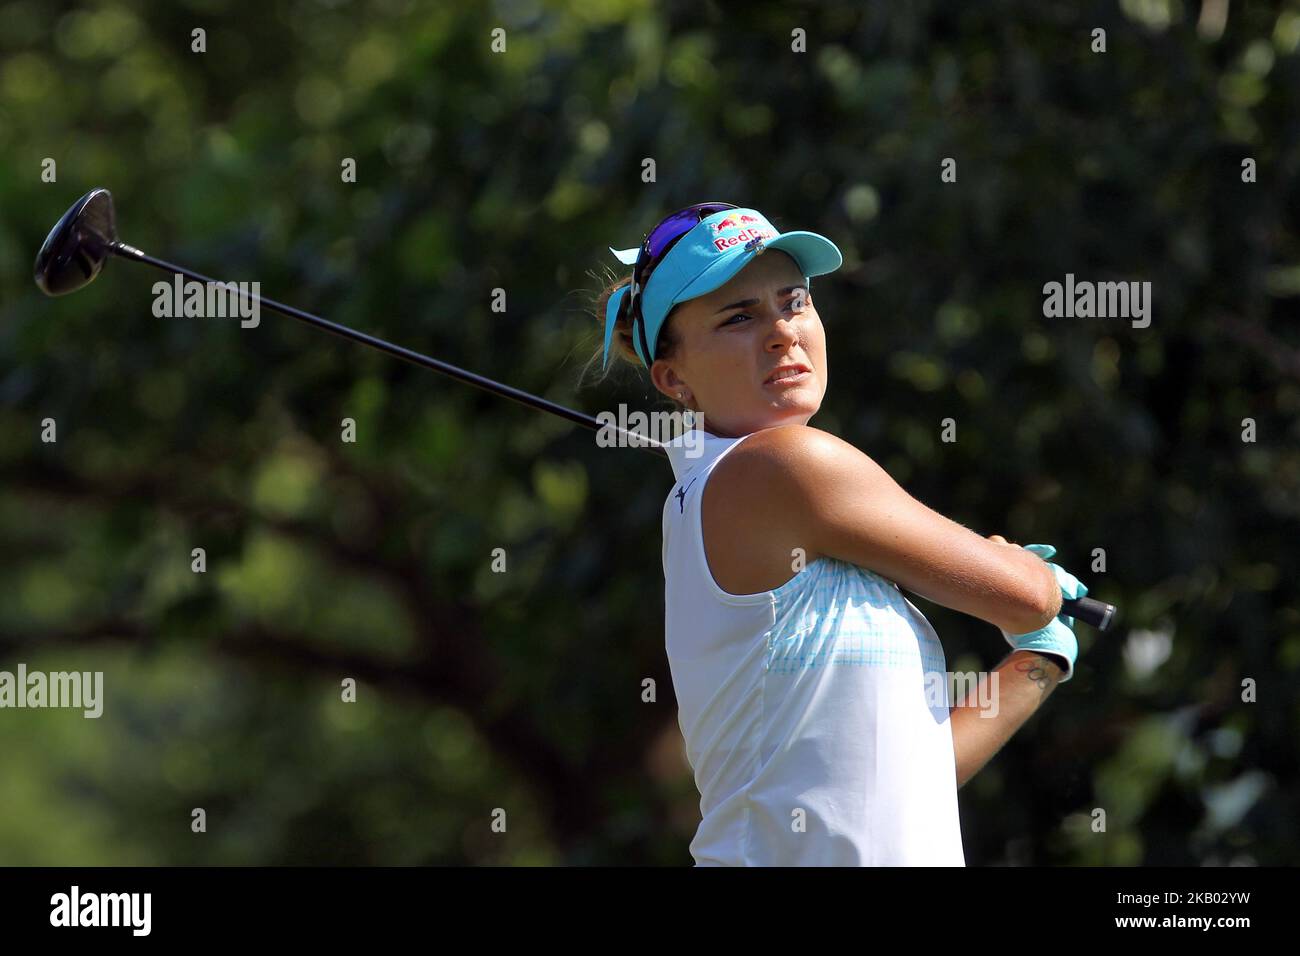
column 794, row 448
column 752, row 518
column 798, row 475
column 776, row 474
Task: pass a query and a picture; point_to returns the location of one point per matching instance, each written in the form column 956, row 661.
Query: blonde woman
column 805, row 680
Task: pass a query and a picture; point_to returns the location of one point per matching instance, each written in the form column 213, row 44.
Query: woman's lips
column 787, row 378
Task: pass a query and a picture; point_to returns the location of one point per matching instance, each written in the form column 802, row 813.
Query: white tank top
column 815, row 736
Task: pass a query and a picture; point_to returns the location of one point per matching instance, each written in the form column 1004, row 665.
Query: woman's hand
column 1057, row 638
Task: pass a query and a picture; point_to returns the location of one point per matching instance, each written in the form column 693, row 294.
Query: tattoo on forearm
column 1036, row 670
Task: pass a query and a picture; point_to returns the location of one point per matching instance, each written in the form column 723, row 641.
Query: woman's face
column 732, row 340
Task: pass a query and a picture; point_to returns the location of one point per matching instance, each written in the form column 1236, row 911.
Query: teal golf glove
column 1057, row 638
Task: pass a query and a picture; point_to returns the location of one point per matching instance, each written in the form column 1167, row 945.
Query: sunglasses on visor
column 657, row 242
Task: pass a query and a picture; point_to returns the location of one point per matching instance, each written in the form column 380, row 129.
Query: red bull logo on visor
column 747, row 228
column 733, row 222
column 722, row 243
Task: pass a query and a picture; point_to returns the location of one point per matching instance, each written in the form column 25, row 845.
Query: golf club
column 74, row 253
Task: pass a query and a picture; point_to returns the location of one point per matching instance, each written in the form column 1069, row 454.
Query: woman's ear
column 668, row 382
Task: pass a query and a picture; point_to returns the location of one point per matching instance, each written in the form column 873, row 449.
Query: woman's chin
column 806, row 398
column 792, row 409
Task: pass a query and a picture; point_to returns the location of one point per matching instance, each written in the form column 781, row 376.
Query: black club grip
column 1097, row 613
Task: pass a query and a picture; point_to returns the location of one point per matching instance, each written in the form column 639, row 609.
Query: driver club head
column 77, row 246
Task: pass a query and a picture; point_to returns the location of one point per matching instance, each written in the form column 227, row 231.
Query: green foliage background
column 517, row 170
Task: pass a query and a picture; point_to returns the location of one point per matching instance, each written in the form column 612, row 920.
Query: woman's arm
column 1024, row 681
column 835, row 501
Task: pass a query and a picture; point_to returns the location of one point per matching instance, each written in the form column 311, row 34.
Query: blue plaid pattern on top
column 833, row 612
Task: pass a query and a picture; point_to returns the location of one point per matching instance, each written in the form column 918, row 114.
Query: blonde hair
column 620, row 345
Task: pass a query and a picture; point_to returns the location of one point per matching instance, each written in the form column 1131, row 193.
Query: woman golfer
column 812, row 694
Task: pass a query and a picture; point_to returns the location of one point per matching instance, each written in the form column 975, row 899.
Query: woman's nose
column 784, row 330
